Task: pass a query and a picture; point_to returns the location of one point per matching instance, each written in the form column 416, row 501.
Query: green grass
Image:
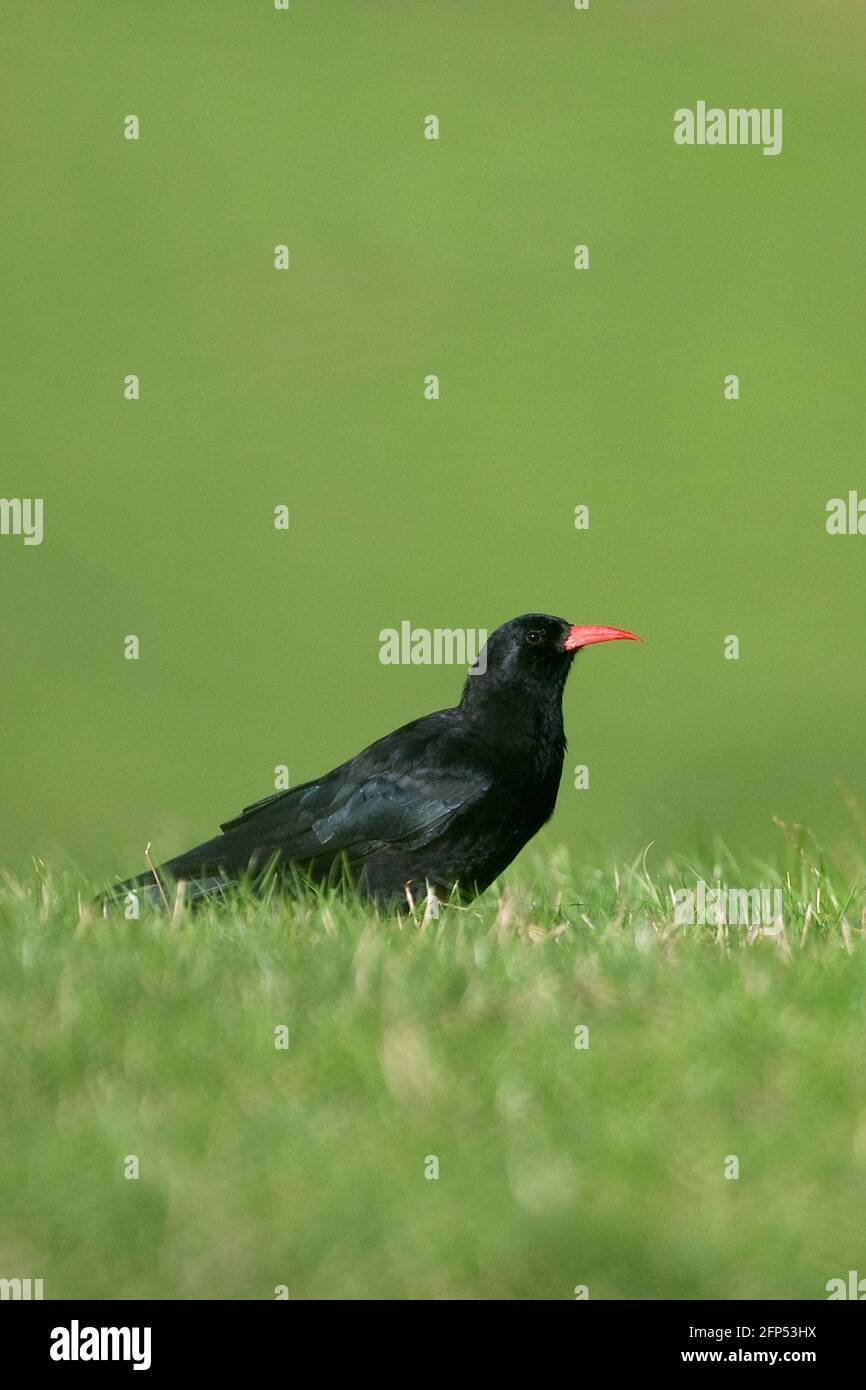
column 455, row 1038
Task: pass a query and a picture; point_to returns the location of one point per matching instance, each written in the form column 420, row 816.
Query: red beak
column 585, row 636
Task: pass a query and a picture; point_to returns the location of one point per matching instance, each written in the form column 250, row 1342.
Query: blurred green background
column 305, row 387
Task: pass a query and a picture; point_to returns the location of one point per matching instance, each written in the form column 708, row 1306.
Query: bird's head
column 536, row 650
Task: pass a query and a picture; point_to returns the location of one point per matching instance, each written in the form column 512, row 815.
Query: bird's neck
column 522, row 722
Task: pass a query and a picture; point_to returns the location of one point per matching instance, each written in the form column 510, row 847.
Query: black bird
column 443, row 803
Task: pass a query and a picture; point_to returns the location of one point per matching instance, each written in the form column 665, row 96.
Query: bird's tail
column 198, row 871
column 164, row 892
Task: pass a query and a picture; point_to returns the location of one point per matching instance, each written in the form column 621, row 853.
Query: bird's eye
column 533, row 635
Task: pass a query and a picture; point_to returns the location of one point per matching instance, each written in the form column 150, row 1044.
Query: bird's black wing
column 400, row 790
column 256, row 806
